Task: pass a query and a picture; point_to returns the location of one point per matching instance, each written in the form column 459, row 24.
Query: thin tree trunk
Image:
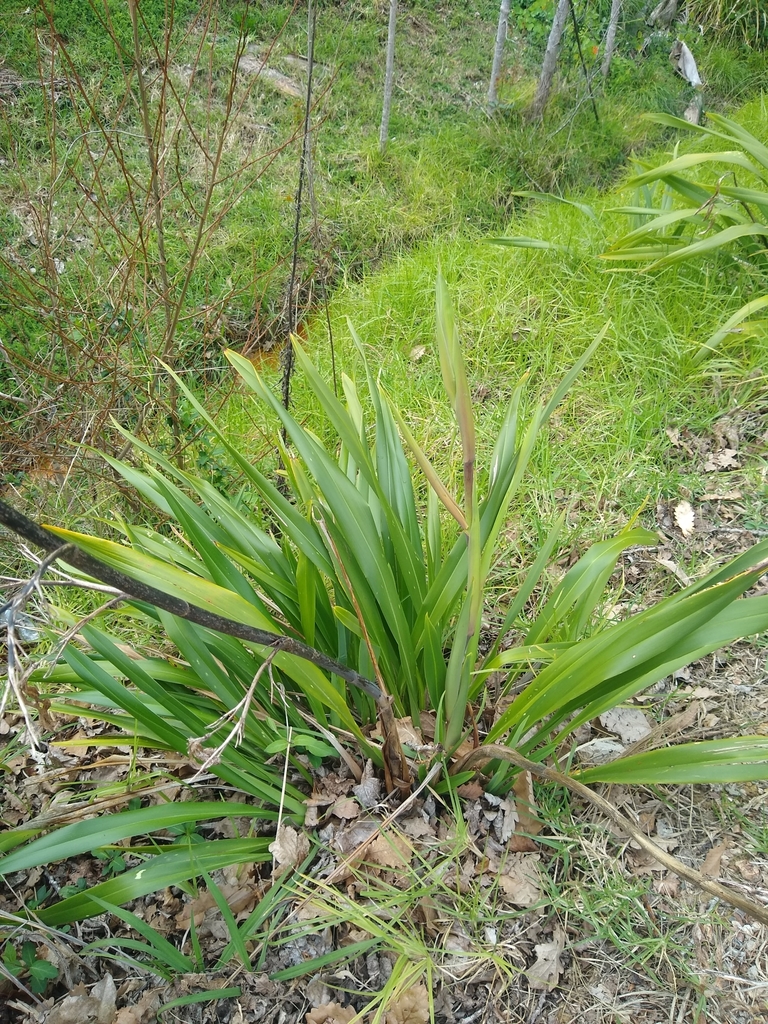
column 498, row 52
column 549, row 63
column 388, row 77
column 610, row 37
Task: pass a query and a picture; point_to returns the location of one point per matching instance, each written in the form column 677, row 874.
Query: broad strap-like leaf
column 105, row 830
column 716, row 762
column 171, row 867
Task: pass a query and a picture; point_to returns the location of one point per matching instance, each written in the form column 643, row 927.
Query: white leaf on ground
column 412, row 1007
column 368, row 792
column 684, row 63
column 520, row 881
column 684, row 517
column 289, row 848
column 629, row 724
column 545, row 973
column 600, row 751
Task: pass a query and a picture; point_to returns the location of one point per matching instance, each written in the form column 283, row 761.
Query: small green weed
column 29, row 966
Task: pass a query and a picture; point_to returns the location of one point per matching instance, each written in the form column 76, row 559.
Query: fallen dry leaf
column 368, row 791
column 412, row 1007
column 711, row 865
column 684, row 517
column 600, row 751
column 390, row 850
column 629, row 724
column 289, row 848
column 330, row 1013
column 520, row 880
column 82, row 1007
column 527, row 817
column 545, row 973
column 346, row 807
column 723, row 460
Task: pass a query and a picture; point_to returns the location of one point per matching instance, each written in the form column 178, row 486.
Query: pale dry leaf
column 390, row 850
column 711, row 865
column 418, row 352
column 346, row 807
column 330, row 1013
column 289, row 848
column 81, row 1007
column 629, row 724
column 600, row 751
column 545, row 972
column 412, row 1007
column 520, row 881
column 368, row 791
column 723, row 460
column 527, row 817
column 684, row 517
column 675, row 569
column 142, row 1012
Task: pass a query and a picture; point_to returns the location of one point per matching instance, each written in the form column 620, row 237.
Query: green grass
column 531, row 311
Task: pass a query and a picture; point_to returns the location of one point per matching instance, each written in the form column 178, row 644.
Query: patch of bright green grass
column 523, row 311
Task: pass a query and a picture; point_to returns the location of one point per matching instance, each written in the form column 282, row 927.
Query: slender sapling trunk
column 498, row 52
column 388, row 76
column 549, row 64
column 610, row 37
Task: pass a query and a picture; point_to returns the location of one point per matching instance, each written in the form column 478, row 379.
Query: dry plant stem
column 13, row 608
column 396, row 772
column 492, row 751
column 154, row 180
column 290, row 318
column 195, row 744
column 583, row 64
column 134, row 590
